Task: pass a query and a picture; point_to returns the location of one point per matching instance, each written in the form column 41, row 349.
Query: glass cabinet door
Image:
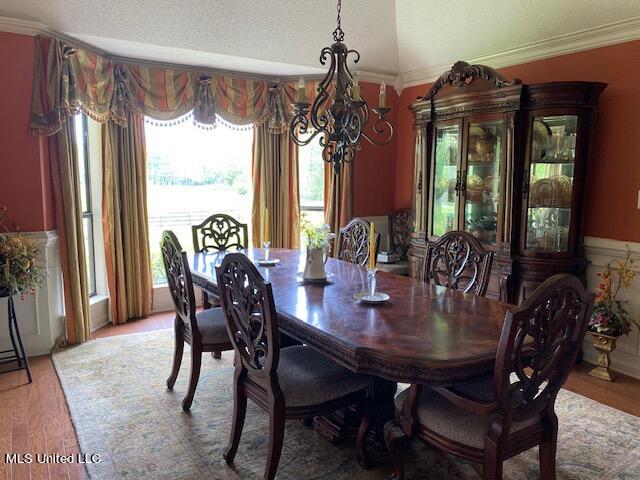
column 482, row 181
column 445, row 180
column 550, row 177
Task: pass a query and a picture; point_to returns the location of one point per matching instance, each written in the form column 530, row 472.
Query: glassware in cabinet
column 482, row 181
column 550, row 183
column 446, row 180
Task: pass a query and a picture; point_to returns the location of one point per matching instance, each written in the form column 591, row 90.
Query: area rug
column 121, row 409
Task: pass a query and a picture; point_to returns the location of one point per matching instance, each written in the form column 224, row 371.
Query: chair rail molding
column 41, row 315
column 626, row 358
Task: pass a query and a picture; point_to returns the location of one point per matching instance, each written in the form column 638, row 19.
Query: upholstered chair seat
column 212, row 326
column 307, row 377
column 442, row 417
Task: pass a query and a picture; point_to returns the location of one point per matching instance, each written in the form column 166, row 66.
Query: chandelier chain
column 338, row 34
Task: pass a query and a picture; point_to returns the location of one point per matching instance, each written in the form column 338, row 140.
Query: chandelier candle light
column 371, row 274
column 338, row 124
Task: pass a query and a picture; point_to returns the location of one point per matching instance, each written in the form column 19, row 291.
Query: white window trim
column 98, row 303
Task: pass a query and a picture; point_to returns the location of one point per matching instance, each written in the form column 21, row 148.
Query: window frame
column 88, row 213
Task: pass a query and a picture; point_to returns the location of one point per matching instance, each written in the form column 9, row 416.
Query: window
column 193, row 173
column 84, row 173
column 311, row 173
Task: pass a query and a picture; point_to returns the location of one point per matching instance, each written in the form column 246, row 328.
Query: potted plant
column 610, row 318
column 19, row 271
column 318, row 243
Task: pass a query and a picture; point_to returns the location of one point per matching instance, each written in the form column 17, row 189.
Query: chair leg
column 393, row 438
column 196, row 360
column 276, row 439
column 239, row 411
column 547, row 450
column 363, row 431
column 177, row 353
column 492, row 468
column 206, row 304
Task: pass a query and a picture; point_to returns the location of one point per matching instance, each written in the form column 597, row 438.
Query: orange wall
column 614, row 173
column 24, row 175
column 374, row 169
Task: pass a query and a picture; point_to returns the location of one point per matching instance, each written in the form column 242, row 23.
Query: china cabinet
column 507, row 163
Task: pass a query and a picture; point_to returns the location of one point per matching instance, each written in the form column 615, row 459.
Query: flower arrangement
column 610, row 316
column 316, row 237
column 19, row 272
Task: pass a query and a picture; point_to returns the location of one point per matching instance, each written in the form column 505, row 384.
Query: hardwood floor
column 35, row 419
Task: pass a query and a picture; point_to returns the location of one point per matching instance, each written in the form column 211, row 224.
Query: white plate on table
column 378, row 297
column 319, row 281
column 267, row 262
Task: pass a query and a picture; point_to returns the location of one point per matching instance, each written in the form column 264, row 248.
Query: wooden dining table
column 423, row 334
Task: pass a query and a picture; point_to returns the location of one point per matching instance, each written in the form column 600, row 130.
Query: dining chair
column 205, row 331
column 353, row 243
column 457, row 260
column 399, row 230
column 491, row 420
column 219, row 232
column 289, row 383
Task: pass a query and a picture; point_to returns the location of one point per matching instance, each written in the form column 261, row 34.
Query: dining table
column 422, row 334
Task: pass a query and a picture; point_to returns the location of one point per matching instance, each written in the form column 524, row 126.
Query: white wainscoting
column 599, row 251
column 41, row 315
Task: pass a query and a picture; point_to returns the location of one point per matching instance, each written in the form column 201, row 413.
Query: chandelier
column 340, row 123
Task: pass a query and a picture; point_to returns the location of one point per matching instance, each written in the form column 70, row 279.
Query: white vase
column 314, row 266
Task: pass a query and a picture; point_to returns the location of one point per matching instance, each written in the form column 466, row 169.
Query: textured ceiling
column 228, row 34
column 284, row 37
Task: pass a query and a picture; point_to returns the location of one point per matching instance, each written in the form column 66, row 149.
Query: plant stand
column 17, row 353
column 604, row 344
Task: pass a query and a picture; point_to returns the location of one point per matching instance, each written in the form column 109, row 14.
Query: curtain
column 124, row 219
column 275, row 187
column 337, row 197
column 68, row 206
column 69, row 79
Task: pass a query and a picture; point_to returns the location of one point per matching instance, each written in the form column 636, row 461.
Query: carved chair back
column 219, row 232
column 539, row 344
column 250, row 314
column 353, row 244
column 178, row 274
column 399, row 230
column 457, row 260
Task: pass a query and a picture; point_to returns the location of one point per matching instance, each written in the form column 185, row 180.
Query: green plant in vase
column 19, row 270
column 610, row 318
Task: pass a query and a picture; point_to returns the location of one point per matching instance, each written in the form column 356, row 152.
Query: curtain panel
column 338, row 199
column 275, row 187
column 124, row 220
column 66, row 189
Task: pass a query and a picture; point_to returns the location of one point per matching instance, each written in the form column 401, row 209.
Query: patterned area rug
column 115, row 388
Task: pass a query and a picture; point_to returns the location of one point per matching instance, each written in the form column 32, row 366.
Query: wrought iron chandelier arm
column 380, row 127
column 300, row 126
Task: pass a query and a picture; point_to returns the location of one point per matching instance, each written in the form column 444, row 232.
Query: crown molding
column 595, row 37
column 373, row 77
column 23, row 27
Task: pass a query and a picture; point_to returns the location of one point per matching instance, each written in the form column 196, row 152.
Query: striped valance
column 71, row 79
